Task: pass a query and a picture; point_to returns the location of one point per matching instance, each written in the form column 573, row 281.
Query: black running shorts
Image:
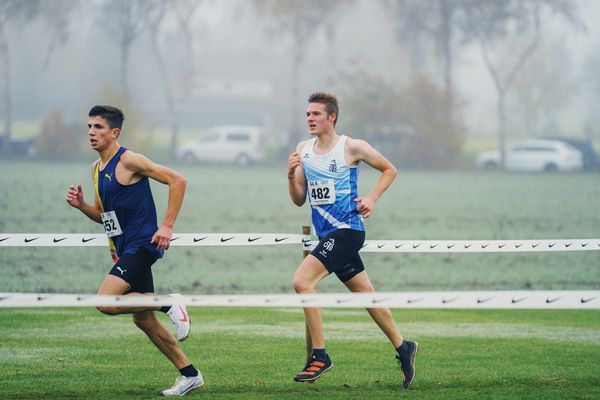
column 338, row 251
column 136, row 270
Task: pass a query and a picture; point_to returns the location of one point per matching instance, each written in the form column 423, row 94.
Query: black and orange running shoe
column 407, row 363
column 313, row 369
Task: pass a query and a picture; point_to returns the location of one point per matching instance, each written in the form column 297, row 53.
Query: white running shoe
column 181, row 320
column 184, row 385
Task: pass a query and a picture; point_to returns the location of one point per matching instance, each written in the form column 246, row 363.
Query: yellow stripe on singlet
column 111, row 244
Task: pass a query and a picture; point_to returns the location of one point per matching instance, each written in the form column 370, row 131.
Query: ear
column 116, row 132
column 332, row 117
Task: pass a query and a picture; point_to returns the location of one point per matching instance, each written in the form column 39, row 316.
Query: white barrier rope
column 552, row 299
column 257, row 239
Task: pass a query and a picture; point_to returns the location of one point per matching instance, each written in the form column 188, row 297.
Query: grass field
column 77, row 353
column 420, row 205
column 254, row 353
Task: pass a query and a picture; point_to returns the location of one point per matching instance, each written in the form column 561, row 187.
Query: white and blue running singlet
column 332, row 186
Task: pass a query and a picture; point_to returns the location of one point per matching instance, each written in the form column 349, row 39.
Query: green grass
column 71, row 353
column 419, row 205
column 254, row 353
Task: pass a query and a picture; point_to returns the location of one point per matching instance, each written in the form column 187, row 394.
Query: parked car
column 19, row 147
column 535, row 155
column 586, row 147
column 239, row 144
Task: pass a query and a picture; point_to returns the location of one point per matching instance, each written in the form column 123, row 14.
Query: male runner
column 326, row 169
column 124, row 205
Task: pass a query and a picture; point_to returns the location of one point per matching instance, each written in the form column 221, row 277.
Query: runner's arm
column 362, row 151
column 177, row 183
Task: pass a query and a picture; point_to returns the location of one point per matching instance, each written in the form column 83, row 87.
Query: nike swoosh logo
column 446, row 301
column 226, row 239
column 375, row 301
column 84, row 240
column 551, row 245
column 548, row 301
column 450, row 246
column 196, row 240
column 277, row 240
column 432, row 246
column 568, row 244
column 174, row 239
column 398, row 246
column 588, row 299
column 55, row 240
column 518, row 245
column 479, row 301
column 468, row 245
column 410, row 301
column 415, row 246
column 518, row 300
column 306, row 242
column 535, row 245
column 185, row 317
column 380, row 246
column 583, row 244
column 30, row 240
column 339, row 301
column 483, row 246
column 253, row 239
column 501, row 246
column 3, row 239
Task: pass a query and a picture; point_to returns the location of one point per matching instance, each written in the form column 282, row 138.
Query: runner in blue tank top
column 124, row 205
column 325, row 169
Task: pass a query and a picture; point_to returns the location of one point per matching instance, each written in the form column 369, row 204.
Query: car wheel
column 242, row 160
column 490, row 165
column 550, row 167
column 189, row 158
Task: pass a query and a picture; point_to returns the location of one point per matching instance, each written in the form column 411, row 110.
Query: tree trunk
column 7, row 136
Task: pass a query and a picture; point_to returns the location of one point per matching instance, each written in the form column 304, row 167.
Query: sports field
column 254, row 353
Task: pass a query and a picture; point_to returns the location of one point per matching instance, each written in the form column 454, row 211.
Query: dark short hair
column 330, row 101
column 111, row 114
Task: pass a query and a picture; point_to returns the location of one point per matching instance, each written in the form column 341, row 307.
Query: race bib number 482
column 321, row 192
column 111, row 224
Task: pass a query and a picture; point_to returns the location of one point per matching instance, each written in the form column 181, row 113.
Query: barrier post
column 306, row 236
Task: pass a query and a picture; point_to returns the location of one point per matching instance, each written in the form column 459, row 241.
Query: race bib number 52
column 321, row 192
column 111, row 224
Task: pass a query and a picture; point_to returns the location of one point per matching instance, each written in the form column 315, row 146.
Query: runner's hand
column 75, row 196
column 162, row 238
column 365, row 206
column 293, row 163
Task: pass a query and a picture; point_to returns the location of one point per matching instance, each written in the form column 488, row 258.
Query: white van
column 239, row 144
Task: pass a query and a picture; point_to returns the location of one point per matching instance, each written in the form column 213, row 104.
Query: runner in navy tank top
column 124, row 205
column 325, row 169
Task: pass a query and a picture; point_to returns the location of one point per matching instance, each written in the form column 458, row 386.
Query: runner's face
column 318, row 120
column 101, row 136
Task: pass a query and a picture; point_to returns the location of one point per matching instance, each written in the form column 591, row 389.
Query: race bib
column 321, row 192
column 111, row 224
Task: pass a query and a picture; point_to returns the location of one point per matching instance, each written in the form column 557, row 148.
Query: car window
column 210, row 138
column 539, row 149
column 238, row 137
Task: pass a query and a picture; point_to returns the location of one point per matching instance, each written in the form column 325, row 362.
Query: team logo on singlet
column 333, row 166
column 109, row 176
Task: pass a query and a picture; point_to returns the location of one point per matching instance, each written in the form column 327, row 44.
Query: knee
column 302, row 286
column 107, row 310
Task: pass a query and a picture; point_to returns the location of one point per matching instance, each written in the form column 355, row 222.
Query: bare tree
column 155, row 14
column 55, row 16
column 492, row 21
column 124, row 20
column 300, row 19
